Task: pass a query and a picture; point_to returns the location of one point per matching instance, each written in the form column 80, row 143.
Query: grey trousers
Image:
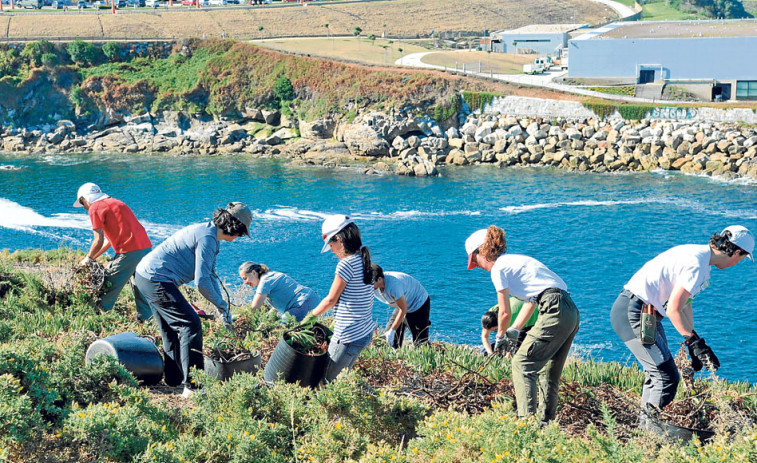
column 117, row 274
column 538, row 364
column 661, row 374
column 343, row 355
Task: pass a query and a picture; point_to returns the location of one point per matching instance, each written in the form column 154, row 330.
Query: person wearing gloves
column 188, row 255
column 114, row 225
column 410, row 301
column 664, row 287
column 285, row 294
column 538, row 364
column 351, row 294
column 490, row 322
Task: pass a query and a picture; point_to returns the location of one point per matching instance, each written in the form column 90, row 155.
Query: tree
column 372, row 38
column 283, row 89
column 357, row 31
column 260, row 29
column 49, row 60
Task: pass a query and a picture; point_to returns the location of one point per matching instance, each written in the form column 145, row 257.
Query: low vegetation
column 442, row 402
column 627, row 90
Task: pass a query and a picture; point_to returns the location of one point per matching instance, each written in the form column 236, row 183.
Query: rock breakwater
column 418, row 146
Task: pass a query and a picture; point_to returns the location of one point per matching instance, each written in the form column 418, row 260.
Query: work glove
column 512, row 334
column 390, row 335
column 228, row 322
column 310, row 319
column 701, row 354
column 500, row 344
column 85, row 261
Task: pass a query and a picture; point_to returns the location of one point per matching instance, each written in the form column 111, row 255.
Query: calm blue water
column 593, row 230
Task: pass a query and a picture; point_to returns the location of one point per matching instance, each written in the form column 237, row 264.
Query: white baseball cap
column 741, row 237
column 90, row 192
column 474, row 241
column 331, row 226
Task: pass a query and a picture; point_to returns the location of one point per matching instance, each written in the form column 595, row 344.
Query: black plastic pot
column 225, row 369
column 287, row 364
column 138, row 354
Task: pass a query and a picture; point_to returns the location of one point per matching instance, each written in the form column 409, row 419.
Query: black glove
column 701, row 354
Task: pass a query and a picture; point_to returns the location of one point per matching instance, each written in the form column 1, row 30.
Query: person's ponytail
column 495, row 244
column 367, row 272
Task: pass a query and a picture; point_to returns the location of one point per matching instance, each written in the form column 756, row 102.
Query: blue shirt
column 398, row 284
column 187, row 255
column 283, row 291
column 353, row 310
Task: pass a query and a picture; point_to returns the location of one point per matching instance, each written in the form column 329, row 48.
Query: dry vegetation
column 397, row 17
column 346, row 48
column 499, row 63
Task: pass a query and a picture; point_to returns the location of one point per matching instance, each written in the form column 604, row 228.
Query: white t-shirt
column 524, row 276
column 687, row 265
column 398, row 284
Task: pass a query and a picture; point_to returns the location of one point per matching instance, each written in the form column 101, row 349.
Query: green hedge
column 627, row 111
column 477, row 100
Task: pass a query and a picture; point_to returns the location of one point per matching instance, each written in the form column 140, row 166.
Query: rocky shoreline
column 417, row 146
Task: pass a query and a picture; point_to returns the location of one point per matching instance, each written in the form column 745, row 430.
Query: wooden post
column 112, row 6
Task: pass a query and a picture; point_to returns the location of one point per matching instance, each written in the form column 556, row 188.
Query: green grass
column 662, row 11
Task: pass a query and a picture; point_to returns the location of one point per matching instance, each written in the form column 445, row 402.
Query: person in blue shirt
column 284, row 293
column 189, row 255
column 410, row 301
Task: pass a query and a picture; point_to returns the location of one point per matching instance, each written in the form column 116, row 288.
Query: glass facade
column 746, row 90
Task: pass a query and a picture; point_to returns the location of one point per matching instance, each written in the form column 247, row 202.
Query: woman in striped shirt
column 351, row 294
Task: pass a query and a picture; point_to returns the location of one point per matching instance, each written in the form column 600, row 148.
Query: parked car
column 82, row 4
column 59, row 4
column 218, row 2
column 121, row 4
column 234, row 2
column 189, row 2
column 139, row 3
column 152, row 3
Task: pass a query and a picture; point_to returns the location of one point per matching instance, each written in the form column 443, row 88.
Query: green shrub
column 82, row 52
column 19, row 421
column 447, row 109
column 112, row 51
column 283, row 89
column 49, row 60
column 118, row 430
column 33, row 52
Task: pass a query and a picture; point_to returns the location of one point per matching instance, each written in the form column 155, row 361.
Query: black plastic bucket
column 138, row 354
column 295, row 367
column 223, row 370
column 672, row 432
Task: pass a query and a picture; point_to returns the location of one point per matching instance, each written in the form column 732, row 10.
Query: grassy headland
column 439, row 403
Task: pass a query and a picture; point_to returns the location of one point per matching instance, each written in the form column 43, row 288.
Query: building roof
column 544, row 29
column 676, row 29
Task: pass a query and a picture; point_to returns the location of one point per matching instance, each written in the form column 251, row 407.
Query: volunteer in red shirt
column 114, row 225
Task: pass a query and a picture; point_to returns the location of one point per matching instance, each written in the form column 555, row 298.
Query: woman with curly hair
column 538, row 364
column 188, row 255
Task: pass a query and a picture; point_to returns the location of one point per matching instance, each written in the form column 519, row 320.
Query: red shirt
column 120, row 226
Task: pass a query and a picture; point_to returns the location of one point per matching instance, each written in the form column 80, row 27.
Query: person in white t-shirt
column 412, row 306
column 668, row 283
column 538, row 364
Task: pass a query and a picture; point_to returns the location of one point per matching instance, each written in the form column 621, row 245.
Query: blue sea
column 594, row 230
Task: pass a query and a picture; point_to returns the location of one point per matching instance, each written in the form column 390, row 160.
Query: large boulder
column 320, row 129
column 362, row 140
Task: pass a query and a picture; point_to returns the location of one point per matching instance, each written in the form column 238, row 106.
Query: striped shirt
column 354, row 309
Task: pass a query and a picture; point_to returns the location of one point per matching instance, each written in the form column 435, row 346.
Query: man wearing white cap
column 664, row 287
column 114, row 225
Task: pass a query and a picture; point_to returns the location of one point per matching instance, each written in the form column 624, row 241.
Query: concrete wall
column 573, row 110
column 548, row 43
column 720, row 58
